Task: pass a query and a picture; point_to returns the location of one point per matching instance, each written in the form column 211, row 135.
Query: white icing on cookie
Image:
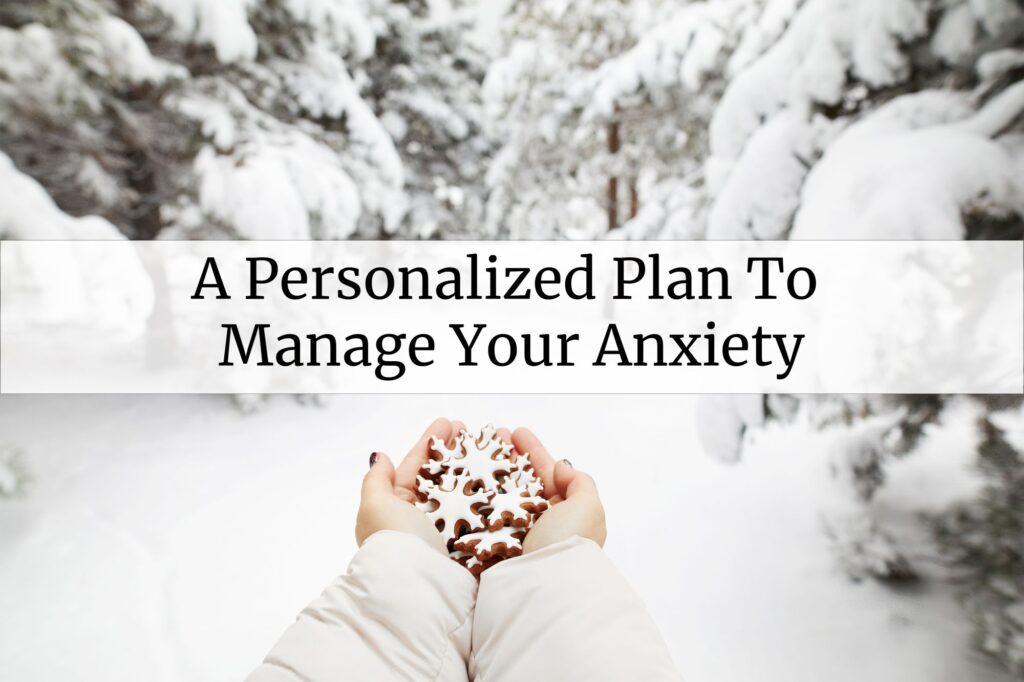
column 483, row 460
column 484, row 543
column 524, row 477
column 480, row 471
column 433, row 466
column 507, row 507
column 455, row 508
column 448, row 481
column 438, row 446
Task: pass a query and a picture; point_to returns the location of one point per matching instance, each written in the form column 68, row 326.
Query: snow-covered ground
column 173, row 538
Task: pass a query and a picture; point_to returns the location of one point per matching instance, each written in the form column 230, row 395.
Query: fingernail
column 373, row 458
column 568, row 463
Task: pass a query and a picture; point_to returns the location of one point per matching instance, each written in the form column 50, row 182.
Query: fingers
column 543, row 463
column 563, row 475
column 571, row 483
column 524, row 441
column 405, row 477
column 380, row 479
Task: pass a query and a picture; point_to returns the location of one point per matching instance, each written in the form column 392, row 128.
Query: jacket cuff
column 568, row 606
column 401, row 611
column 400, row 571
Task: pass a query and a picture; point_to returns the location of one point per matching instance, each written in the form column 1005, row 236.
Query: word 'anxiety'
column 390, row 354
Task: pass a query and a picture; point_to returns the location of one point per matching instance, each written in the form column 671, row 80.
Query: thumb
column 380, row 479
column 570, row 483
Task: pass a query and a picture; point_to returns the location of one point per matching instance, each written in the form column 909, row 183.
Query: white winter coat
column 403, row 611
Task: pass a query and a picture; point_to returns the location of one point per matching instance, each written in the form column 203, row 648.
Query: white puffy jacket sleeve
column 403, row 611
column 564, row 613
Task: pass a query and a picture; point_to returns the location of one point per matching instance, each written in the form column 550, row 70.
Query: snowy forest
column 566, row 119
column 331, row 119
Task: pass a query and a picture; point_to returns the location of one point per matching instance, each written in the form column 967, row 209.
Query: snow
column 996, row 15
column 762, row 193
column 487, row 25
column 320, row 84
column 668, row 210
column 98, row 183
column 194, row 534
column 86, row 291
column 223, row 24
column 1012, row 424
column 35, row 72
column 214, row 112
column 720, row 99
column 11, row 482
column 264, row 179
column 127, row 55
column 395, row 125
column 226, row 27
column 997, row 62
column 681, row 52
column 343, row 23
column 906, row 172
column 34, row 58
column 724, row 421
column 285, row 188
column 322, row 87
column 760, row 35
column 762, row 88
column 28, row 212
column 954, row 37
column 992, row 119
column 175, row 511
column 825, row 41
column 432, row 108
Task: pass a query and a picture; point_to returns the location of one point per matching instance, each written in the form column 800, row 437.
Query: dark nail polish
column 373, row 458
column 569, row 463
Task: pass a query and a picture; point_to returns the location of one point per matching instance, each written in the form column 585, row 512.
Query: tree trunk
column 634, row 198
column 613, row 182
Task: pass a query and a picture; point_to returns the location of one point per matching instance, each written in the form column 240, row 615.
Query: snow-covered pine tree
column 984, row 540
column 185, row 118
column 907, row 98
column 557, row 172
column 199, row 119
column 668, row 86
column 924, row 99
column 865, row 88
column 288, row 147
column 846, row 120
column 80, row 111
column 424, row 84
column 980, row 540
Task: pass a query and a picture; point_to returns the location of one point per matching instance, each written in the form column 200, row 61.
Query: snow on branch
column 826, row 42
column 908, row 172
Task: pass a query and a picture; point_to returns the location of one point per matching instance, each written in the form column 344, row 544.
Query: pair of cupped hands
column 389, row 493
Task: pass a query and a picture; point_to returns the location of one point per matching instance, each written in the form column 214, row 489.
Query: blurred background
column 173, row 538
column 775, row 538
column 761, row 119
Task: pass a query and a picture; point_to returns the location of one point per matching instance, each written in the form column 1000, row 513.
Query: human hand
column 575, row 508
column 388, row 494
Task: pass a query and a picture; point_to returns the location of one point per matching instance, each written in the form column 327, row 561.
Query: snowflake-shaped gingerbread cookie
column 482, row 497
